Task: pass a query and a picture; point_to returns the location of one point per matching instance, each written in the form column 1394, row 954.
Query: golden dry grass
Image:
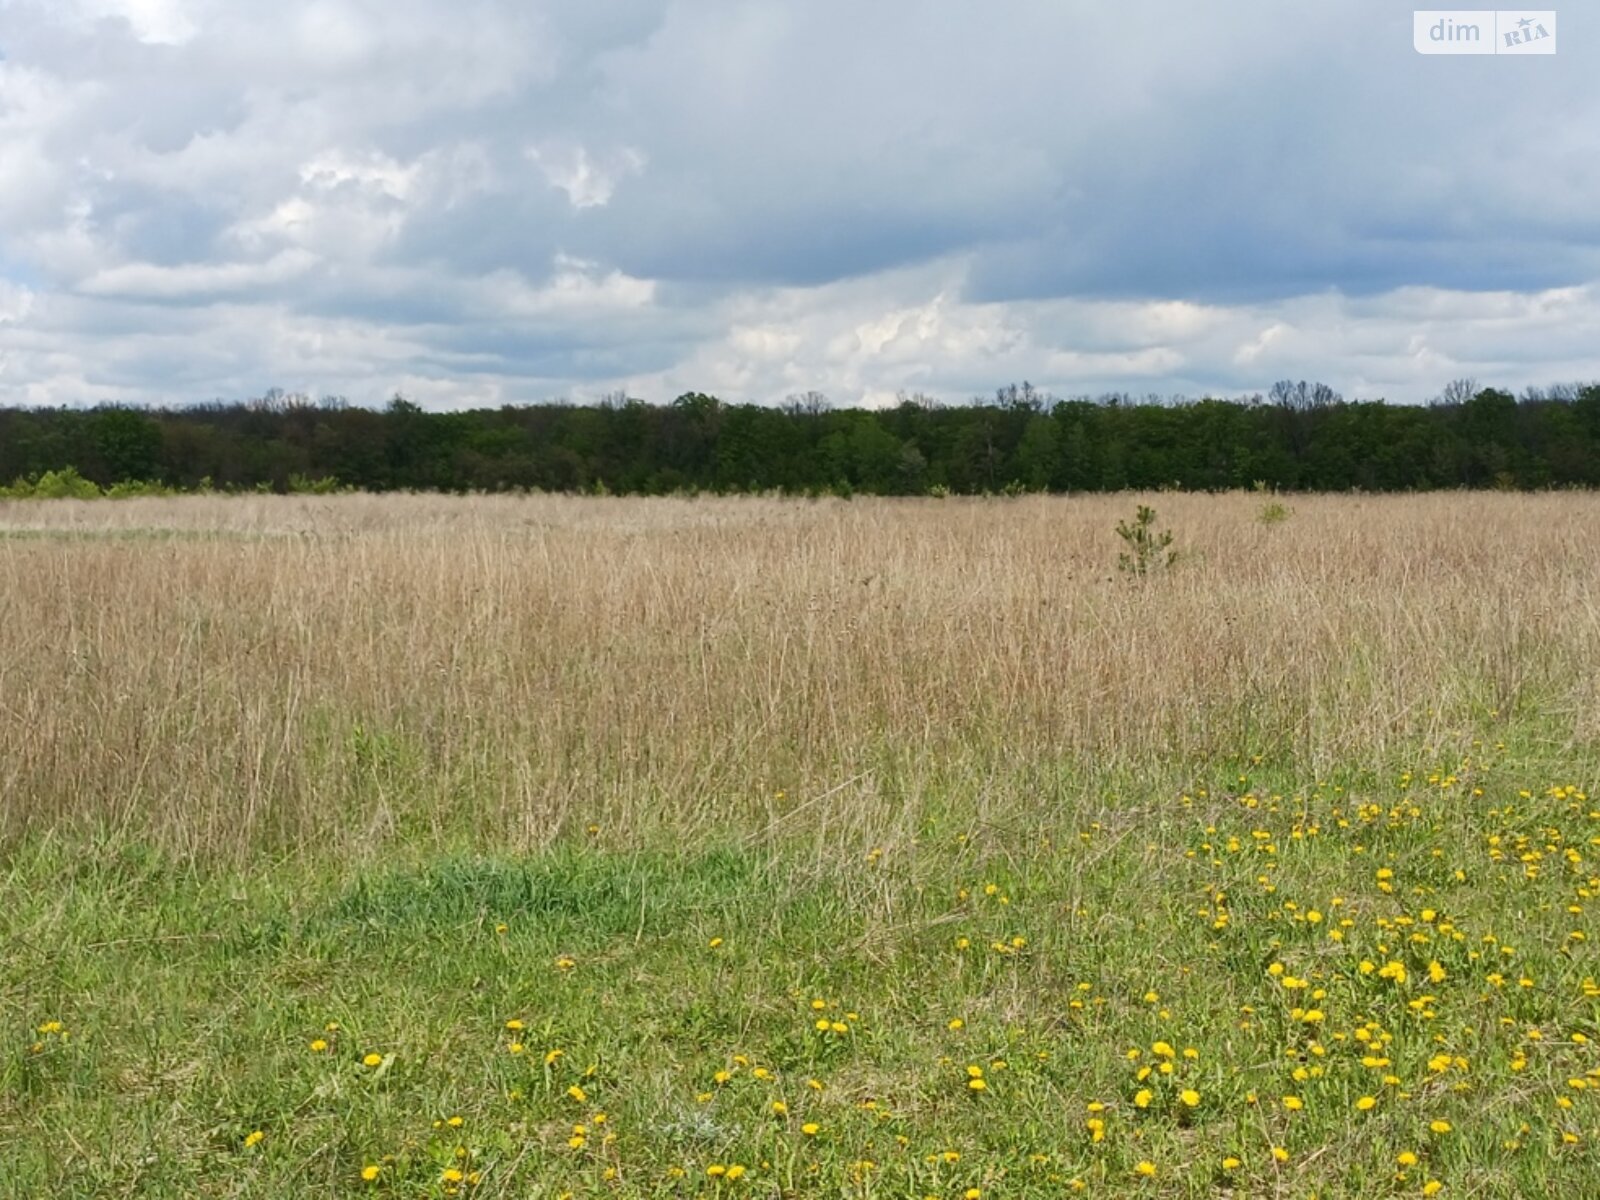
column 225, row 675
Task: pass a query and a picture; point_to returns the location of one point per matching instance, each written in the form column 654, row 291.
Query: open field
column 533, row 847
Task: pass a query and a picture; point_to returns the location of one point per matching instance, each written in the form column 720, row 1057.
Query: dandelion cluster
column 1349, row 992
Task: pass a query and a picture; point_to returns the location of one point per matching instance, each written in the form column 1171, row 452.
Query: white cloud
column 489, row 199
column 576, row 287
column 1253, row 351
column 156, row 22
column 149, row 281
column 15, row 302
column 588, row 182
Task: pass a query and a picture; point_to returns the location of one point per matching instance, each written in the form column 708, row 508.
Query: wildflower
column 1367, row 1103
column 1432, row 1188
column 1280, row 1154
column 372, row 1060
column 1406, row 1158
column 318, row 1045
column 253, row 1139
column 1146, row 1168
column 370, row 1172
column 577, row 1093
column 1142, row 1098
column 1190, row 1098
column 1231, row 1163
column 811, row 1129
column 1440, row 1127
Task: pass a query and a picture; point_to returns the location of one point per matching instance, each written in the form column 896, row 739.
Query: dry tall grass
column 226, row 675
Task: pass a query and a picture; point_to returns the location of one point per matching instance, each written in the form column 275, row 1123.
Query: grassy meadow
column 417, row 846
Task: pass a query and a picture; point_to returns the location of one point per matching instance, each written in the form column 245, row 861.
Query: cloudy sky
column 505, row 201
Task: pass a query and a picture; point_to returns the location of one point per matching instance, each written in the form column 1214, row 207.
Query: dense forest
column 1298, row 437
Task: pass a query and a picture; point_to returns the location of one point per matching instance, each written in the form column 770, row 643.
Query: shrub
column 1147, row 548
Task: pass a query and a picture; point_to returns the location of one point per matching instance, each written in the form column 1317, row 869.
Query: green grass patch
column 1247, row 988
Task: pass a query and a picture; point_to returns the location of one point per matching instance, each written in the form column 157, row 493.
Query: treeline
column 1298, row 437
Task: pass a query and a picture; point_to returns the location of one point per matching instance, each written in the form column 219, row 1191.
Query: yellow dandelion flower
column 253, row 1139
column 371, row 1171
column 1145, row 1168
